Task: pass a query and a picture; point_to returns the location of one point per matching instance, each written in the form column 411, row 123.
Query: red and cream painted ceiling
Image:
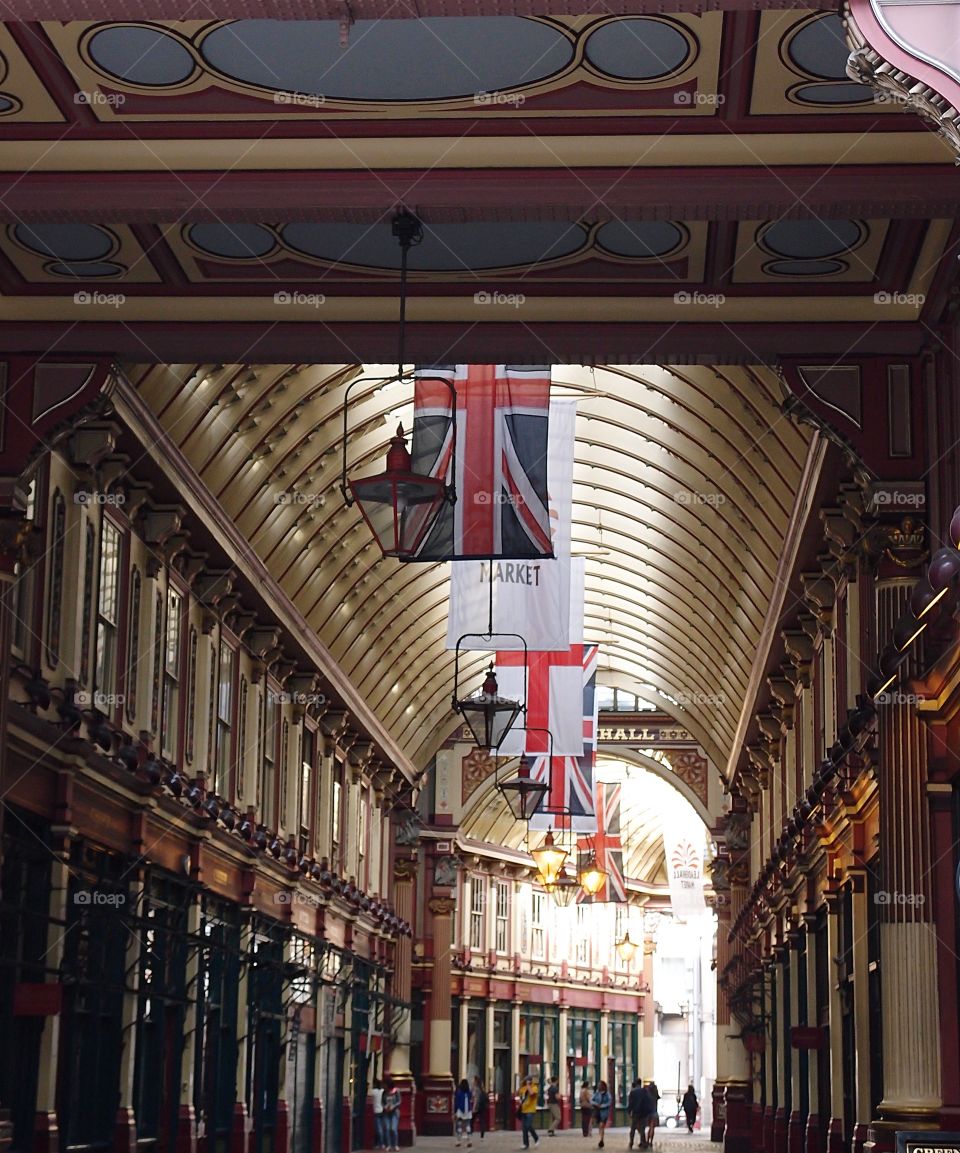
column 208, row 199
column 619, row 185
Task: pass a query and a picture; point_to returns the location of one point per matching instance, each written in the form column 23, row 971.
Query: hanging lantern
column 399, row 505
column 626, row 948
column 565, row 888
column 549, row 858
column 523, row 794
column 488, row 715
column 592, row 878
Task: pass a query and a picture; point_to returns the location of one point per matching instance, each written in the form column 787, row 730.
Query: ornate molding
column 867, row 66
column 442, row 906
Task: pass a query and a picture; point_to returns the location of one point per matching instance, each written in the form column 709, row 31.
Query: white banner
column 529, row 597
column 683, row 847
column 554, row 685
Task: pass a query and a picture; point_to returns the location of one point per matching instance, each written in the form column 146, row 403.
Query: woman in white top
column 379, row 1121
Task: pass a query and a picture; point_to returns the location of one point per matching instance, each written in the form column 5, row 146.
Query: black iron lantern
column 524, row 795
column 565, row 889
column 399, row 505
column 488, row 715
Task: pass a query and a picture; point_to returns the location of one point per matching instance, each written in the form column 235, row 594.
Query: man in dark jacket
column 639, row 1106
column 654, row 1119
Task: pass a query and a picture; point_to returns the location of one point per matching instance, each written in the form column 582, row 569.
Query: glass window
column 108, row 610
column 171, row 674
column 536, row 924
column 89, row 557
column 305, row 821
column 503, row 913
column 583, row 939
column 606, row 698
column 191, row 693
column 476, row 913
column 133, row 648
column 224, row 717
column 158, row 642
column 241, row 757
column 335, row 798
column 268, row 777
column 54, row 581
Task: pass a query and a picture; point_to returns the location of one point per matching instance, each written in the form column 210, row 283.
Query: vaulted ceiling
column 684, row 485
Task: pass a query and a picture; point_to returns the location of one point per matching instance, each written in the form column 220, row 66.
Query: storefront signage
column 643, row 734
column 928, row 1142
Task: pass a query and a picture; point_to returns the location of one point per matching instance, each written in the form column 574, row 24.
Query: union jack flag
column 556, row 682
column 606, row 844
column 502, row 421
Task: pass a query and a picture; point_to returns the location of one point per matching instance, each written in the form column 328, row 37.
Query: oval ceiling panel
column 820, row 48
column 811, row 239
column 640, row 238
column 445, row 247
column 141, row 55
column 65, row 241
column 432, row 59
column 637, row 48
column 233, row 241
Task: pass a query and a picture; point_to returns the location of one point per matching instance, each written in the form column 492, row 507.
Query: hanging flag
column 569, row 804
column 683, row 848
column 531, row 597
column 502, row 422
column 606, row 844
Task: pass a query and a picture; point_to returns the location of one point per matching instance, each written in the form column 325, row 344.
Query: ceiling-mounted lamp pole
column 399, row 505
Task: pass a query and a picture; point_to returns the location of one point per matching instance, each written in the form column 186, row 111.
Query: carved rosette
column 476, row 767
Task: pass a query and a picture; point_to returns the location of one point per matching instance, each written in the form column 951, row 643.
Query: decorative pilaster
column 46, row 1130
column 404, row 878
column 241, row 1131
column 797, row 997
column 835, row 1132
column 438, row 1084
column 908, row 944
column 861, row 1004
column 812, row 1135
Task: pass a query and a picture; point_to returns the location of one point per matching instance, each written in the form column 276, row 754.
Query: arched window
column 133, row 648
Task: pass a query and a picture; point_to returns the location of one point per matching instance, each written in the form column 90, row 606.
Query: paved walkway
column 566, row 1140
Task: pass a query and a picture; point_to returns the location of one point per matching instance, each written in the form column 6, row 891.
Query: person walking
column 690, row 1106
column 528, row 1109
column 553, row 1102
column 654, row 1112
column 379, row 1124
column 481, row 1104
column 638, row 1106
column 601, row 1109
column 391, row 1112
column 463, row 1112
column 586, row 1107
